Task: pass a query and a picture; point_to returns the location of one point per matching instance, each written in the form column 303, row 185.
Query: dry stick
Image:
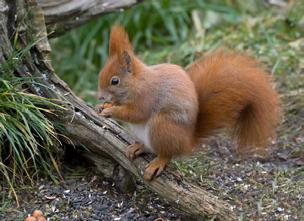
column 83, row 126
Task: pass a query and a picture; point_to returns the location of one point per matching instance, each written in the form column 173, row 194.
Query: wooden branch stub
column 110, row 169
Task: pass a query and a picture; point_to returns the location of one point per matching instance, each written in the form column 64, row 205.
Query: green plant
column 28, row 140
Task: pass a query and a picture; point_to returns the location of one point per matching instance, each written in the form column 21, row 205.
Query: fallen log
column 23, row 21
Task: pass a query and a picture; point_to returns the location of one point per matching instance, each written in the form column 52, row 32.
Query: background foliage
column 178, row 31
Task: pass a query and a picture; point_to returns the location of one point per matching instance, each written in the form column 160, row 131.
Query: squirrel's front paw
column 106, row 112
column 100, row 107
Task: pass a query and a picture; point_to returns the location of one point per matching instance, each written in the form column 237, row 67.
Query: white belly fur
column 141, row 133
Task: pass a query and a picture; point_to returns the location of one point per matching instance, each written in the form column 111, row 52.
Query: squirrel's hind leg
column 155, row 167
column 168, row 139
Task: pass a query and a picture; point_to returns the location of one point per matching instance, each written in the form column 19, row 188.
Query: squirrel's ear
column 126, row 60
column 119, row 41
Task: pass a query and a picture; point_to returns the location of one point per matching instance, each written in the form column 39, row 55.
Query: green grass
column 28, row 140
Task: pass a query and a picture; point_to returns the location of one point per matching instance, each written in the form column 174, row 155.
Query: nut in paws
column 107, row 112
column 100, row 107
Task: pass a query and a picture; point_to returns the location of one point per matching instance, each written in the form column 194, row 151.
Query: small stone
column 280, row 209
column 239, row 179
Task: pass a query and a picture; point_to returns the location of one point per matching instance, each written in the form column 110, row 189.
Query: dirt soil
column 85, row 196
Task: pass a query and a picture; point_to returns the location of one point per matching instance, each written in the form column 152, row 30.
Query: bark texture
column 22, row 23
column 63, row 15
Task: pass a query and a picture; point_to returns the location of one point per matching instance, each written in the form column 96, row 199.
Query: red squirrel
column 169, row 109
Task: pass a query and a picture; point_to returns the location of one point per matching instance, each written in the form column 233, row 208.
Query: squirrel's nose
column 101, row 97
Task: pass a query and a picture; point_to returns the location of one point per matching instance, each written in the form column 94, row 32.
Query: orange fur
column 119, row 41
column 235, row 93
column 169, row 109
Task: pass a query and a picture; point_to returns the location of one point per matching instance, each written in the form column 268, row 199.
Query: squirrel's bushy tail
column 235, row 93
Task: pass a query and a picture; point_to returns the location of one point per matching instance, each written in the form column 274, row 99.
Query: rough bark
column 63, row 15
column 23, row 20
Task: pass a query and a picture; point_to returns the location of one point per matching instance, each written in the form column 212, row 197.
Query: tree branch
column 64, row 15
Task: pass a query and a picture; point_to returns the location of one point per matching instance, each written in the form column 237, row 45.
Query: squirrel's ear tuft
column 119, row 41
column 120, row 47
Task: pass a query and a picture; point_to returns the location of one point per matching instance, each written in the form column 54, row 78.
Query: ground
column 86, row 196
column 268, row 188
column 259, row 188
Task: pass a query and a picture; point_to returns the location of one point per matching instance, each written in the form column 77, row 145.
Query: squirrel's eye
column 115, row 80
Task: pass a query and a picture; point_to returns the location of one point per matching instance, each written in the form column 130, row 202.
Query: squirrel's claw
column 134, row 150
column 155, row 167
column 100, row 107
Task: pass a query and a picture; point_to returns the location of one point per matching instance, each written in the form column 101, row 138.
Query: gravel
column 89, row 198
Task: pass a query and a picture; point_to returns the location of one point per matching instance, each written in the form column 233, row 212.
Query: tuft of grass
column 28, row 140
